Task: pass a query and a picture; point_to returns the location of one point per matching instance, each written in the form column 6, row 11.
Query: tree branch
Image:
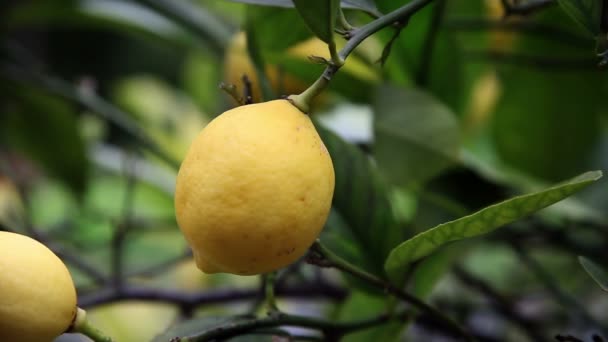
column 332, row 331
column 321, row 256
column 402, row 14
column 191, row 300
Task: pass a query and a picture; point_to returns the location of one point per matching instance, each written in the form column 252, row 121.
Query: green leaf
column 586, row 13
column 265, row 21
column 361, row 200
column 365, row 5
column 57, row 89
column 428, row 273
column 319, row 16
column 350, row 311
column 255, row 55
column 200, row 76
column 12, row 210
column 121, row 17
column 598, row 273
column 544, row 108
column 416, row 136
column 481, row 222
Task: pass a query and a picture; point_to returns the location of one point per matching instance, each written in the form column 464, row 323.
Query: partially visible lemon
column 37, row 294
column 237, row 63
column 254, row 190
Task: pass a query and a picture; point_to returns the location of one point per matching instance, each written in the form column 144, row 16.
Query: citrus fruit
column 38, row 298
column 254, row 189
column 237, row 63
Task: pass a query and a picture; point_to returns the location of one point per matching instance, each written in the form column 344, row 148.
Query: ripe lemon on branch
column 254, row 189
column 37, row 294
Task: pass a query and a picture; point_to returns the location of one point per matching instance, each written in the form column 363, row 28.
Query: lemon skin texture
column 254, row 190
column 37, row 294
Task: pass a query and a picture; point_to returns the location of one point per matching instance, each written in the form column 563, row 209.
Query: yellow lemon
column 37, row 294
column 254, row 190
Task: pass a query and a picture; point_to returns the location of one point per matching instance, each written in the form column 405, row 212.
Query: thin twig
column 400, row 15
column 321, row 256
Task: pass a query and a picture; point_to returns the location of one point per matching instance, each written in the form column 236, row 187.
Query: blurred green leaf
column 364, row 5
column 51, row 203
column 121, row 17
column 547, row 123
column 361, row 199
column 432, row 269
column 163, row 113
column 200, row 76
column 254, row 52
column 12, row 210
column 196, row 18
column 482, row 222
column 547, row 120
column 319, row 16
column 416, row 137
column 143, row 251
column 45, row 129
column 350, row 311
column 265, row 20
column 586, row 13
column 444, row 76
column 58, row 89
column 106, row 196
column 341, row 239
column 598, row 273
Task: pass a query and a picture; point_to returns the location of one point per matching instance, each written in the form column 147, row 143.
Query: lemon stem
column 269, row 297
column 400, row 15
column 83, row 325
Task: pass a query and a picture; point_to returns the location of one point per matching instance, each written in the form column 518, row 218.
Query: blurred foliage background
column 99, row 100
